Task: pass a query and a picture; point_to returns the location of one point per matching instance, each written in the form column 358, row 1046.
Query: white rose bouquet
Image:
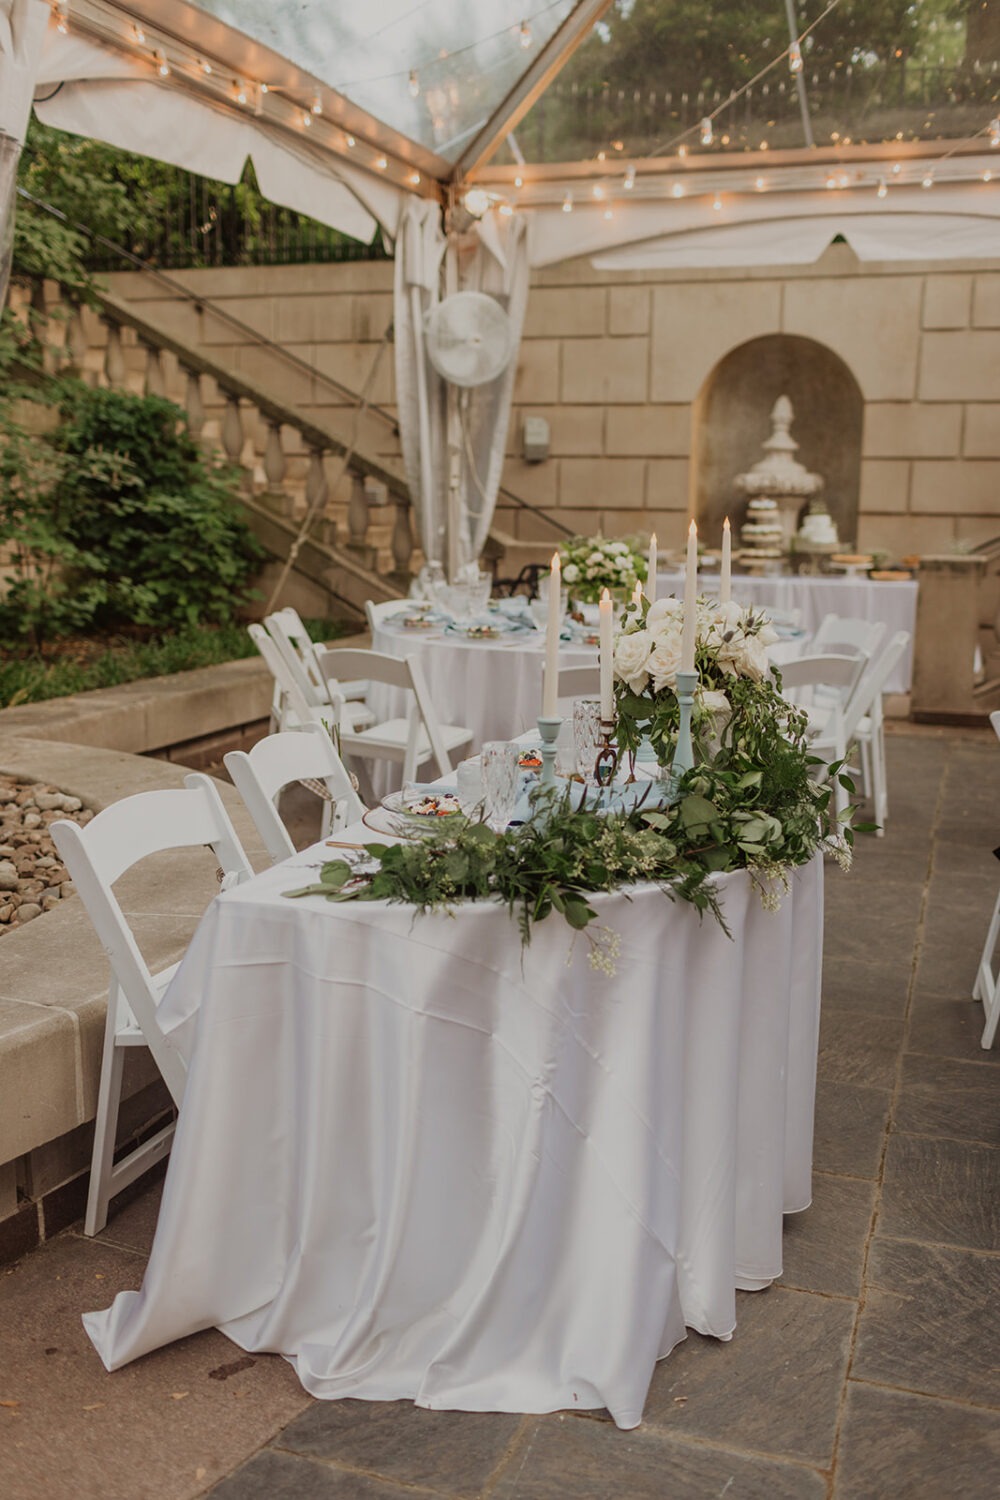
column 735, row 678
column 590, row 564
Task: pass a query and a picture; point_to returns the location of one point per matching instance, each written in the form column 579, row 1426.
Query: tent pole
column 800, row 82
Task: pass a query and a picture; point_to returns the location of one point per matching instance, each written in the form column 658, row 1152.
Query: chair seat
column 390, row 739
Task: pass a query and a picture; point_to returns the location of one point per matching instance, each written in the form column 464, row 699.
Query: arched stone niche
column 732, row 418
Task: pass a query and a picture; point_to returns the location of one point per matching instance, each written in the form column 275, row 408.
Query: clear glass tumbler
column 469, row 787
column 587, row 738
column 501, row 781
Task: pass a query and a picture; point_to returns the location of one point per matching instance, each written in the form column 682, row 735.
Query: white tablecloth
column 493, row 687
column 420, row 1168
column 816, row 597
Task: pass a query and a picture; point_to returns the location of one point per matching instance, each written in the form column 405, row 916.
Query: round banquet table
column 421, row 1163
column 492, row 686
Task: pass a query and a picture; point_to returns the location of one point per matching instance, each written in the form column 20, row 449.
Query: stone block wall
column 618, row 364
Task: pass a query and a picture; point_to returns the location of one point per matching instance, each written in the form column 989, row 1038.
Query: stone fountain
column 779, row 476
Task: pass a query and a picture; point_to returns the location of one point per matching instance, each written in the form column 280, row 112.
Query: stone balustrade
column 360, row 522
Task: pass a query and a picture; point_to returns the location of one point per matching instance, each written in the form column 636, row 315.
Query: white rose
column 753, row 661
column 570, row 573
column 767, row 635
column 664, row 609
column 596, row 560
column 619, row 548
column 715, row 702
column 664, row 660
column 631, row 653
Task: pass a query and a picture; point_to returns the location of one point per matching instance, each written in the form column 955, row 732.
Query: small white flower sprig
column 591, row 563
column 730, row 658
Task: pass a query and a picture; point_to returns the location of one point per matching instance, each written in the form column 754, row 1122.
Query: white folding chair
column 376, row 613
column 987, row 985
column 858, row 716
column 412, row 741
column 848, row 636
column 305, row 754
column 96, row 856
column 578, row 682
column 298, row 653
column 826, row 727
column 290, row 706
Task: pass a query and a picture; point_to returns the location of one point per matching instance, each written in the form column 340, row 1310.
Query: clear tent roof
column 434, row 70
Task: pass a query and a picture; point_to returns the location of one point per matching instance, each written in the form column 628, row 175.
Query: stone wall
column 621, row 364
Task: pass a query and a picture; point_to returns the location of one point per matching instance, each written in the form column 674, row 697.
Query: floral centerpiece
column 737, row 688
column 591, row 563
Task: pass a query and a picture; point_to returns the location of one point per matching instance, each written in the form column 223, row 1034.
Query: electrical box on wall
column 534, row 440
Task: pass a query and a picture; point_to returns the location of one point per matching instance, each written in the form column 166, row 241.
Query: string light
column 518, row 182
column 524, row 35
column 707, row 133
column 317, row 105
column 677, row 191
column 987, row 176
column 350, row 142
column 506, row 210
column 414, row 84
column 62, row 17
column 381, row 163
column 895, row 169
column 263, row 88
column 995, row 132
column 928, row 180
column 682, row 151
column 629, row 182
column 598, row 191
column 162, row 66
column 759, row 184
column 609, row 213
column 139, row 34
column 717, row 203
column 477, row 202
column 882, row 189
column 242, row 96
column 307, row 118
column 206, row 68
column 414, row 179
column 567, row 206
column 795, row 58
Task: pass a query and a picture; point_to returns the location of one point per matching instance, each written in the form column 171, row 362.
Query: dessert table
column 422, row 1164
column 817, row 596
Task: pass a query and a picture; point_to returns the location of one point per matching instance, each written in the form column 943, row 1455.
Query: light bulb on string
column 707, row 133
column 882, row 189
column 307, row 118
column 567, row 204
column 927, row 181
column 987, row 175
column 350, row 141
column 317, row 105
column 139, row 34
column 477, row 202
column 162, row 66
column 609, row 212
column 896, row 169
column 677, row 191
column 62, row 17
column 759, row 184
column 524, row 35
column 414, row 84
column 381, row 163
column 795, row 58
column 506, row 210
column 995, row 132
column 242, row 96
column 629, row 182
column 598, row 191
column 263, row 88
column 717, row 203
column 206, row 68
column 682, row 151
column 414, row 179
column 518, row 182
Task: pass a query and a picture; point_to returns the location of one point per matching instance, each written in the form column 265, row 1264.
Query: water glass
column 501, row 781
column 587, row 737
column 469, row 787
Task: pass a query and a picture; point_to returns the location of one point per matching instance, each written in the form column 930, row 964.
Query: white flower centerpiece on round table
column 591, row 564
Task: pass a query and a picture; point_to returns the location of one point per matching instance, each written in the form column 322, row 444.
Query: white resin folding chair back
column 578, row 682
column 96, row 856
column 376, row 613
column 412, row 741
column 827, row 734
column 847, row 637
column 305, row 754
column 865, row 720
column 987, row 985
column 290, row 707
column 298, row 652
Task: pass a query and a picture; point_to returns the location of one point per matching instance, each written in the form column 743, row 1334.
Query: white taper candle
column 690, row 601
column 651, row 571
column 550, row 685
column 725, row 580
column 607, row 694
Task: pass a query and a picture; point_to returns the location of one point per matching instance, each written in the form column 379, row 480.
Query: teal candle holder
column 549, row 731
column 683, row 760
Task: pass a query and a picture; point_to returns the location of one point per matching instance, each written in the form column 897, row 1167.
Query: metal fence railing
column 204, row 223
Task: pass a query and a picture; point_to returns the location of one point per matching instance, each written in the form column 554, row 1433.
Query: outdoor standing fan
column 468, row 341
column 468, row 338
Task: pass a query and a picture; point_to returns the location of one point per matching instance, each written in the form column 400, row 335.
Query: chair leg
column 105, row 1129
column 879, row 793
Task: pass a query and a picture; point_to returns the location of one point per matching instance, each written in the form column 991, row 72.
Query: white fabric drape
column 22, row 33
column 453, row 441
column 421, row 1164
column 110, row 97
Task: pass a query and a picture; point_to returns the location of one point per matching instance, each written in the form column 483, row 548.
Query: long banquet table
column 422, row 1164
column 814, row 597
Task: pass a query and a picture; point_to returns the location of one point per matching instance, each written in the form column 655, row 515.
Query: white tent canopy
column 350, row 114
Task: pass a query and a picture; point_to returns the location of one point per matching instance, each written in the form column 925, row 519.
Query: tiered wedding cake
column 818, row 529
column 761, row 534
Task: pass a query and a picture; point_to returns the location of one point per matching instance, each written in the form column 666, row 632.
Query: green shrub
column 124, row 523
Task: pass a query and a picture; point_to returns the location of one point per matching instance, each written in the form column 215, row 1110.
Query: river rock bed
column 32, row 879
